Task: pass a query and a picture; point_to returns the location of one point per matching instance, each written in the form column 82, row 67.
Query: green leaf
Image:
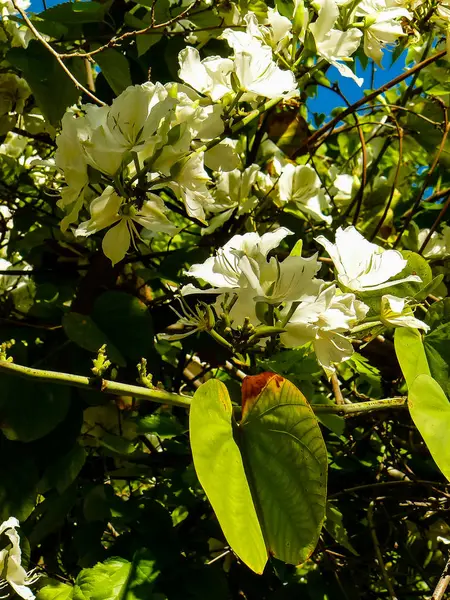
column 43, row 73
column 287, row 460
column 127, row 323
column 115, row 68
column 437, row 349
column 410, row 353
column 265, row 477
column 438, row 314
column 27, row 412
column 18, row 481
column 145, row 42
column 162, row 424
column 76, row 12
column 220, row 468
column 64, row 471
column 55, row 590
column 430, row 411
column 83, row 331
column 117, row 579
column 335, row 527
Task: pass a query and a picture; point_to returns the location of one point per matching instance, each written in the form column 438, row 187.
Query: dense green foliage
column 130, row 164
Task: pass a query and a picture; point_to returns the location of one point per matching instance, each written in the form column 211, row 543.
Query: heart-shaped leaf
column 266, row 477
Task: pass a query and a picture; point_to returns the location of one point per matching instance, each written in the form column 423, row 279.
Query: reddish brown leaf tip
column 253, row 385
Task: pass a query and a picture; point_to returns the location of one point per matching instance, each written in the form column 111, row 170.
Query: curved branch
column 44, row 42
column 155, row 395
column 348, row 111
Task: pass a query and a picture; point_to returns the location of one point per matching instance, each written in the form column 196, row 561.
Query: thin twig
column 156, row 395
column 379, row 556
column 425, row 185
column 443, row 583
column 366, row 99
column 394, row 183
column 114, row 41
column 44, row 42
column 435, row 224
column 337, row 390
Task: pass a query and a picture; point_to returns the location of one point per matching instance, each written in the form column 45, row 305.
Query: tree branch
column 348, row 111
column 93, row 383
column 442, row 583
column 44, row 42
column 155, row 395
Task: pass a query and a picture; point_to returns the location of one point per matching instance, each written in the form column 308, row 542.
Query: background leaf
column 43, row 73
column 28, row 413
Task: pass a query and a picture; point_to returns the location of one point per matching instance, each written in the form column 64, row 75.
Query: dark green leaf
column 64, row 471
column 437, row 349
column 28, row 412
column 43, row 73
column 127, row 323
column 162, row 424
column 335, row 527
column 115, row 68
column 82, row 330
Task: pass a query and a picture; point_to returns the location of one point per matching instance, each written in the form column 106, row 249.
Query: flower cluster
column 159, row 147
column 288, row 295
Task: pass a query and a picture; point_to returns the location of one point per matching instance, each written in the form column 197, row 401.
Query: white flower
column 276, row 31
column 395, row 312
column 69, row 158
column 255, row 68
column 190, row 182
column 210, row 76
column 223, row 156
column 342, row 188
column 242, row 266
column 322, row 322
column 137, row 121
column 332, row 44
column 438, row 245
column 135, row 117
column 110, row 209
column 11, row 570
column 301, row 185
column 362, row 266
column 233, row 191
column 382, row 25
column 234, row 188
column 202, row 117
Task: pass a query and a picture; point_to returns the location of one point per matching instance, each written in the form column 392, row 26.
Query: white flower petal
column 116, row 241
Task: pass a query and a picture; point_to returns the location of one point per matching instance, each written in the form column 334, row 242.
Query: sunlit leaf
column 220, row 469
column 430, row 411
column 267, row 475
column 286, row 455
column 410, row 353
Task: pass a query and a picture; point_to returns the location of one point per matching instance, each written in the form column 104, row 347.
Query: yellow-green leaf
column 430, row 411
column 410, row 353
column 220, row 469
column 266, row 477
